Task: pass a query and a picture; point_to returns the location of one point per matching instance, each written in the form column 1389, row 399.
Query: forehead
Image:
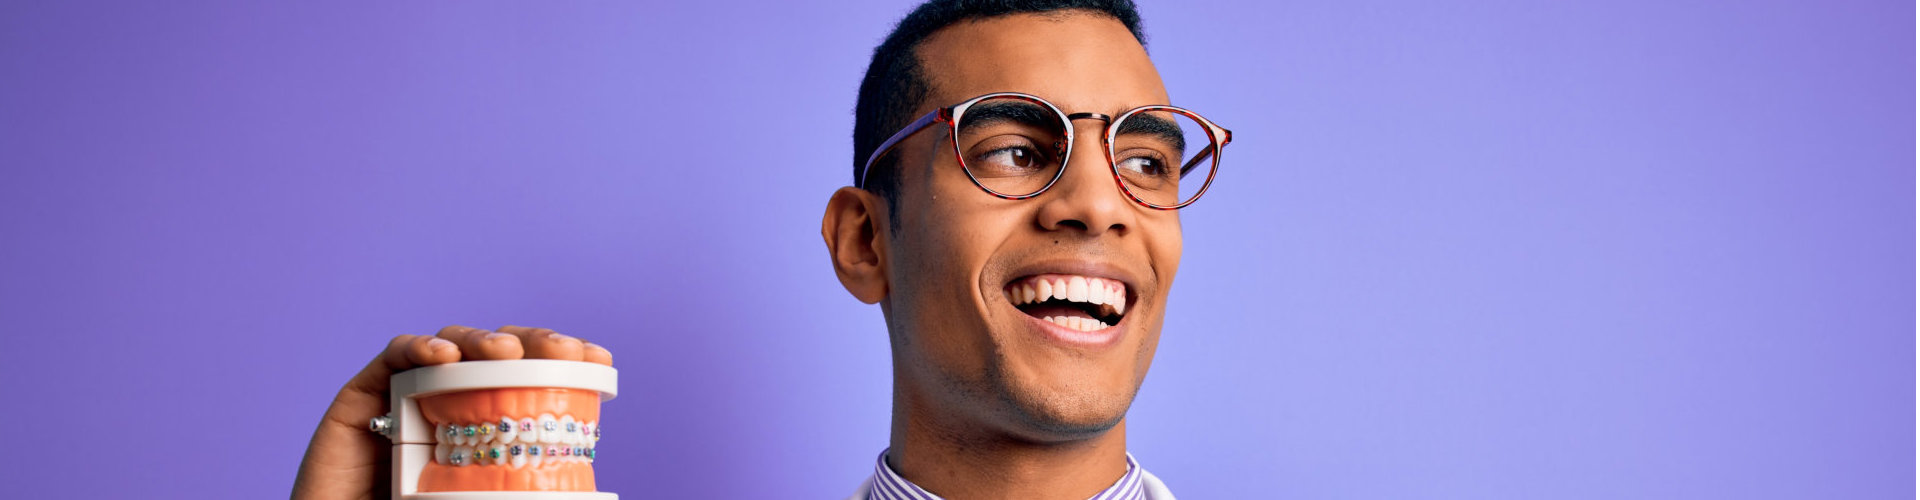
column 1081, row 62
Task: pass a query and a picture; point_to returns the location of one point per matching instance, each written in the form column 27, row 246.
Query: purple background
column 1486, row 249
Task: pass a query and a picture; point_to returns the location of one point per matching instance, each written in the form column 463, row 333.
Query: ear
column 854, row 242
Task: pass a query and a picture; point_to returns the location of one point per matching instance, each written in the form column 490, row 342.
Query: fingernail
column 438, row 345
column 561, row 336
column 496, row 335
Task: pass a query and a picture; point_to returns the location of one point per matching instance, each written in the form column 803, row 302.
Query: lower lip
column 1104, row 337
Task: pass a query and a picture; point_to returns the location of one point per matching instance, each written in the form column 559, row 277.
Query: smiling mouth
column 1082, row 303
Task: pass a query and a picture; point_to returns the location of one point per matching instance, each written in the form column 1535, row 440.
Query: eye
column 1144, row 165
column 1014, row 157
column 1018, row 158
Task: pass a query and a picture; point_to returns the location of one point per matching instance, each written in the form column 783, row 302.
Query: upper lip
column 1081, row 267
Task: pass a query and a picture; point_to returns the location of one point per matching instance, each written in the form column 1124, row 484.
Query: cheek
column 939, row 266
column 1164, row 245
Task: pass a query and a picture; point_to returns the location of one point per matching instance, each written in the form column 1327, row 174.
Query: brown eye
column 1012, row 157
column 1011, row 160
column 1145, row 166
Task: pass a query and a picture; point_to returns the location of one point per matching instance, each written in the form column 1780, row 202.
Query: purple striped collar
column 887, row 485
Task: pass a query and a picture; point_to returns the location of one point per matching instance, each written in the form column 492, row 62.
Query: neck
column 948, row 455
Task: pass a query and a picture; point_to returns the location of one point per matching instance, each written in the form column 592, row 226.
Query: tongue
column 1045, row 310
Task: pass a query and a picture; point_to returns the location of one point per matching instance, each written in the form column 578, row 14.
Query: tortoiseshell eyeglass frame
column 1217, row 140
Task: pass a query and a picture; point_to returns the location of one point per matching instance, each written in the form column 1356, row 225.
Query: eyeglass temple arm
column 938, row 115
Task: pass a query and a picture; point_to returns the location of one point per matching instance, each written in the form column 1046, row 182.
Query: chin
column 1061, row 413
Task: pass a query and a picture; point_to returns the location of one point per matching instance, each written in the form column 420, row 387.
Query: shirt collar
column 888, row 485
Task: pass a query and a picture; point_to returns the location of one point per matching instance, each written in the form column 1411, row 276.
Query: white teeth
column 528, row 432
column 505, row 428
column 549, row 429
column 1077, row 323
column 521, row 443
column 1109, row 297
column 570, row 430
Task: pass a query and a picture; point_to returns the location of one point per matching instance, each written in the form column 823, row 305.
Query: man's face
column 960, row 256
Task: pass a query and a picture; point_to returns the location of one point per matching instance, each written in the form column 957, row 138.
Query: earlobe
column 854, row 244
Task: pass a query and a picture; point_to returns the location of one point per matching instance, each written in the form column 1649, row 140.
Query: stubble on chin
column 1045, row 414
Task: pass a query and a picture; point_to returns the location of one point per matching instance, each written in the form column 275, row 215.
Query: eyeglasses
column 1015, row 146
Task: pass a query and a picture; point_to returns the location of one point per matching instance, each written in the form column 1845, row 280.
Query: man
column 965, row 212
column 1017, row 178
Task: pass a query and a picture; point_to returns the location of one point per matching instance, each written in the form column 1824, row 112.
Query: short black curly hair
column 895, row 84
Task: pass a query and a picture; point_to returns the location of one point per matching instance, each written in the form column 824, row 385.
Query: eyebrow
column 1023, row 113
column 1167, row 130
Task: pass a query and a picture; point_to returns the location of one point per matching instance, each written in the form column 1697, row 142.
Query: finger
column 402, row 353
column 341, row 448
column 419, row 350
column 542, row 343
column 479, row 345
column 365, row 395
column 596, row 354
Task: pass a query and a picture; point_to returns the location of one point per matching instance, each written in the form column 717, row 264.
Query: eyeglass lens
column 1015, row 147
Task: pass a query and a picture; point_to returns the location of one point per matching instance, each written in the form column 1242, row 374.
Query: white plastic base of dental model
column 413, row 438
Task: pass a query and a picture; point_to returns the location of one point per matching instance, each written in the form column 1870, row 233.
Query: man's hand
column 346, row 461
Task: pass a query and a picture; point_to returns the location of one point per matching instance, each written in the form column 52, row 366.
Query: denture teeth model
column 481, row 447
column 490, row 426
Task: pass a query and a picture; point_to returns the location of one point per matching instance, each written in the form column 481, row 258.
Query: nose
column 1087, row 197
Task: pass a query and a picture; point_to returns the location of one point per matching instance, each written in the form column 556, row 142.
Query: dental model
column 497, row 429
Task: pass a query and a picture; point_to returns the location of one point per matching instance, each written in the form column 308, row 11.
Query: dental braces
column 519, row 443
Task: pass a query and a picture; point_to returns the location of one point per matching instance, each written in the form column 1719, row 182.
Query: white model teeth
column 516, row 443
column 517, row 455
column 528, row 433
column 569, row 431
column 506, row 428
column 1077, row 323
column 549, row 429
